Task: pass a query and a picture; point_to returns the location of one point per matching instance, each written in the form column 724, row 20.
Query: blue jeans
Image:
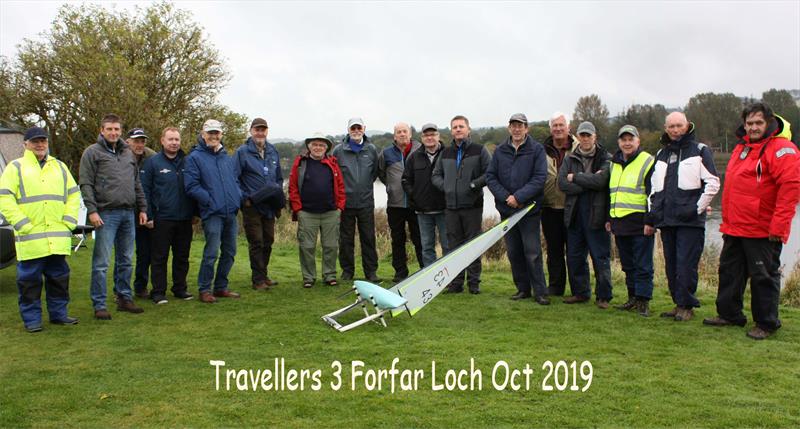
column 428, row 223
column 582, row 239
column 220, row 232
column 524, row 246
column 636, row 258
column 55, row 270
column 117, row 231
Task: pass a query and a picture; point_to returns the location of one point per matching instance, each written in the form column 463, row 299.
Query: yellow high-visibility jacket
column 627, row 188
column 41, row 202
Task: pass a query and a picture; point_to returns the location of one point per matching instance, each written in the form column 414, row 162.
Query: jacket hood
column 686, row 138
column 202, row 146
column 775, row 127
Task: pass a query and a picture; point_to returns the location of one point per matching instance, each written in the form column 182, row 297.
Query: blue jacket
column 519, row 172
column 162, row 182
column 255, row 173
column 210, row 179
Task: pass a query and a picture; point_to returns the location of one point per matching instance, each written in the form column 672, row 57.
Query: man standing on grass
column 391, row 165
column 762, row 189
column 113, row 196
column 683, row 184
column 39, row 197
column 210, row 179
column 460, row 174
column 170, row 210
column 260, row 177
column 137, row 140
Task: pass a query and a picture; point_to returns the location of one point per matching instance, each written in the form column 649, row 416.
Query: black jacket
column 463, row 183
column 595, row 184
column 422, row 196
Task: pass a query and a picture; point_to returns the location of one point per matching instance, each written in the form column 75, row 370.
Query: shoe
column 643, row 307
column 542, row 300
column 374, row 279
column 684, row 315
column 331, row 282
column 102, row 314
column 453, row 290
column 129, row 306
column 308, row 284
column 627, row 306
column 474, row 291
column 65, row 321
column 757, row 333
column 520, row 295
column 207, row 298
column 575, row 299
column 186, row 296
column 142, row 294
column 36, row 327
column 260, row 286
column 270, row 283
column 672, row 313
column 718, row 321
column 347, row 277
column 602, row 304
column 159, row 299
column 226, row 294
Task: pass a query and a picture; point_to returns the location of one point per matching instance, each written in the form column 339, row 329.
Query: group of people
column 581, row 195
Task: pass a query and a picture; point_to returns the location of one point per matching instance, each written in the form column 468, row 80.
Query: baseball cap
column 628, row 129
column 259, row 122
column 355, row 121
column 35, row 133
column 586, row 128
column 429, row 126
column 518, row 117
column 212, row 125
column 137, row 133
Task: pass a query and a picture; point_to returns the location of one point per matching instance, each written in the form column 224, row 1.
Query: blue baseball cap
column 35, row 133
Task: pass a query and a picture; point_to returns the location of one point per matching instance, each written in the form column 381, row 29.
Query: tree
column 591, row 108
column 783, row 104
column 153, row 67
column 716, row 117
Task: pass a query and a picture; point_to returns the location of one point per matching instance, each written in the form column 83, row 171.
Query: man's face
column 676, row 126
column 259, row 133
column 171, row 142
column 559, row 128
column 628, row 144
column 317, row 148
column 430, row 139
column 38, row 146
column 460, row 129
column 756, row 126
column 402, row 135
column 586, row 141
column 213, row 139
column 137, row 145
column 111, row 131
column 356, row 132
column 518, row 130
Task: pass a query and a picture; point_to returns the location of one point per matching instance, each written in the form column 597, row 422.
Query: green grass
column 153, row 369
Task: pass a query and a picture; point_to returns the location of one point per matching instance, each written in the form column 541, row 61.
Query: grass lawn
column 153, row 369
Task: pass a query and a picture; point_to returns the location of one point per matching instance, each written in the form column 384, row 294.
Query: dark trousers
column 583, row 240
column 555, row 236
column 399, row 217
column 142, row 258
column 759, row 260
column 365, row 219
column 524, row 246
column 683, row 247
column 55, row 271
column 175, row 235
column 260, row 233
column 462, row 226
column 636, row 258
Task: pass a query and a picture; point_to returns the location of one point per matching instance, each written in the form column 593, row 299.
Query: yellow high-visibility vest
column 41, row 203
column 627, row 187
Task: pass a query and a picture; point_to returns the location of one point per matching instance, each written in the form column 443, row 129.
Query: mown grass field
column 152, row 369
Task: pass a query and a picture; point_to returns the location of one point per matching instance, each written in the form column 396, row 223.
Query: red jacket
column 762, row 186
column 298, row 170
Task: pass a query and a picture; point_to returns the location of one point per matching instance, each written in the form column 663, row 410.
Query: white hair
column 557, row 115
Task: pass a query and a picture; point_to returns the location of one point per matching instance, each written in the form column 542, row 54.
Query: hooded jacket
column 210, row 179
column 520, row 172
column 684, row 182
column 462, row 183
column 553, row 197
column 109, row 178
column 762, row 185
column 259, row 176
column 359, row 171
column 591, row 188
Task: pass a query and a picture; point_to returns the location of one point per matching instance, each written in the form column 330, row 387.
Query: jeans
column 175, row 234
column 260, row 233
column 683, row 247
column 428, row 224
column 555, row 236
column 524, row 246
column 398, row 217
column 582, row 239
column 220, row 232
column 309, row 226
column 55, row 270
column 636, row 258
column 142, row 270
column 117, row 231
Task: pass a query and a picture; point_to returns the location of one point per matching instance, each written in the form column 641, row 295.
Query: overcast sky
column 309, row 66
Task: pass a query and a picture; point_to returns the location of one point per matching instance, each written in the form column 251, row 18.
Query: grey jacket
column 462, row 184
column 109, row 178
column 391, row 164
column 587, row 191
column 359, row 171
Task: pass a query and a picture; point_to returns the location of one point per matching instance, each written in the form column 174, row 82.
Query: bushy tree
column 716, row 117
column 591, row 108
column 783, row 104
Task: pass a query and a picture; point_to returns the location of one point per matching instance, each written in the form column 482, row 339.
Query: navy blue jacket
column 255, row 173
column 210, row 179
column 162, row 182
column 521, row 172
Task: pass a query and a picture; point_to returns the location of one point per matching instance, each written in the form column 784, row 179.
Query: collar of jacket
column 202, row 146
column 252, row 147
column 178, row 155
column 464, row 143
column 619, row 159
column 524, row 147
column 29, row 155
column 551, row 149
column 668, row 143
column 120, row 145
column 774, row 128
column 599, row 152
column 346, row 141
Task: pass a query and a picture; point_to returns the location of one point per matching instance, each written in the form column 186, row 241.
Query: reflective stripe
column 628, row 190
column 64, row 176
column 70, row 219
column 4, row 191
column 37, row 198
column 47, row 197
column 38, row 235
column 21, row 185
column 21, row 223
column 630, row 206
column 72, row 190
column 647, row 163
